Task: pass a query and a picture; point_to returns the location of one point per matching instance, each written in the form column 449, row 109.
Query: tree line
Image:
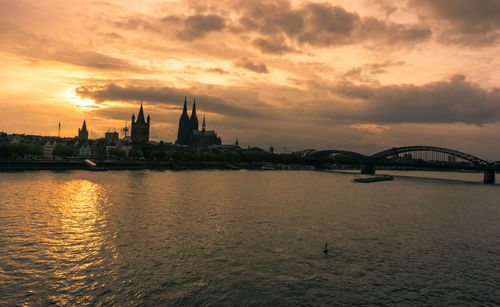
column 152, row 152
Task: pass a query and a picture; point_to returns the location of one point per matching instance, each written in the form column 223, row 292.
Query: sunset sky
column 361, row 75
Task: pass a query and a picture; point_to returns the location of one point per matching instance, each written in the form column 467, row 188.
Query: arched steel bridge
column 368, row 163
column 361, row 158
column 407, row 149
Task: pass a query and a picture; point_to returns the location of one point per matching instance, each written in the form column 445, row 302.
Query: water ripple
column 245, row 238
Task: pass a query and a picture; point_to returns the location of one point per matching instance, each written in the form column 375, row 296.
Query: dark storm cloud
column 391, row 33
column 217, row 70
column 197, row 26
column 112, row 36
column 323, row 25
column 440, row 102
column 387, row 6
column 474, row 22
column 134, row 23
column 364, row 73
column 164, row 96
column 255, row 67
column 312, row 24
column 269, row 17
column 272, row 46
column 327, row 25
column 452, row 101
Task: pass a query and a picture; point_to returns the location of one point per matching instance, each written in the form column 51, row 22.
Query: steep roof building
column 83, row 134
column 140, row 128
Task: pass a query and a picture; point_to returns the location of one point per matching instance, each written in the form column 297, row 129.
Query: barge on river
column 373, row 179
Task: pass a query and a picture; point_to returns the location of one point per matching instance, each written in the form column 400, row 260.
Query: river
column 247, row 238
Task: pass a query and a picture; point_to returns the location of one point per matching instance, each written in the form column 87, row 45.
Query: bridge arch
column 464, row 156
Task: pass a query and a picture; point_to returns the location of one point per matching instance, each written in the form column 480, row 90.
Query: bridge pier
column 368, row 169
column 489, row 176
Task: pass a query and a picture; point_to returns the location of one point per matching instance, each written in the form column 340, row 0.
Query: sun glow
column 83, row 103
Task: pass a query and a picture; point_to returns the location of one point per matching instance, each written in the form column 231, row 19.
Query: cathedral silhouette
column 189, row 133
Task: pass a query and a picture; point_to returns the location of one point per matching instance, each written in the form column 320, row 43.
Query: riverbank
column 28, row 165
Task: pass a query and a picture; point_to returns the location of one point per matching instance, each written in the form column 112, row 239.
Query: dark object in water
column 325, row 250
column 373, row 179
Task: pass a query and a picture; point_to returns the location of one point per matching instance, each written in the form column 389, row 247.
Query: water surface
column 246, row 238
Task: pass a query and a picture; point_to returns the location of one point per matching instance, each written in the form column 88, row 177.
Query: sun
column 79, row 102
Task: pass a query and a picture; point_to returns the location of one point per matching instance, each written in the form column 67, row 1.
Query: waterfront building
column 84, row 151
column 4, row 139
column 16, row 139
column 83, row 134
column 205, row 137
column 140, row 128
column 189, row 134
column 48, row 150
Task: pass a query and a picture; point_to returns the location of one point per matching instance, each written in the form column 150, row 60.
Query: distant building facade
column 205, row 137
column 83, row 134
column 188, row 132
column 48, row 150
column 111, row 138
column 84, row 151
column 4, row 139
column 140, row 128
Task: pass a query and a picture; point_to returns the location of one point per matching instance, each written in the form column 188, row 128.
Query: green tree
column 35, row 149
column 20, row 151
column 134, row 153
column 117, row 153
column 157, row 153
column 63, row 150
column 182, row 156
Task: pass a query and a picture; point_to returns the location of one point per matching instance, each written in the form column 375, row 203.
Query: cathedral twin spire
column 187, row 124
column 184, row 111
column 194, row 118
column 189, row 133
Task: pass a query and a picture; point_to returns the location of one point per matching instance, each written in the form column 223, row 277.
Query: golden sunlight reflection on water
column 76, row 239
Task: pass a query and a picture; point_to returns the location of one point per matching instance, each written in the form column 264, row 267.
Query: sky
column 360, row 75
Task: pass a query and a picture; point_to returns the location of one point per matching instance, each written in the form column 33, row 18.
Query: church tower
column 194, row 118
column 184, row 131
column 83, row 134
column 140, row 128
